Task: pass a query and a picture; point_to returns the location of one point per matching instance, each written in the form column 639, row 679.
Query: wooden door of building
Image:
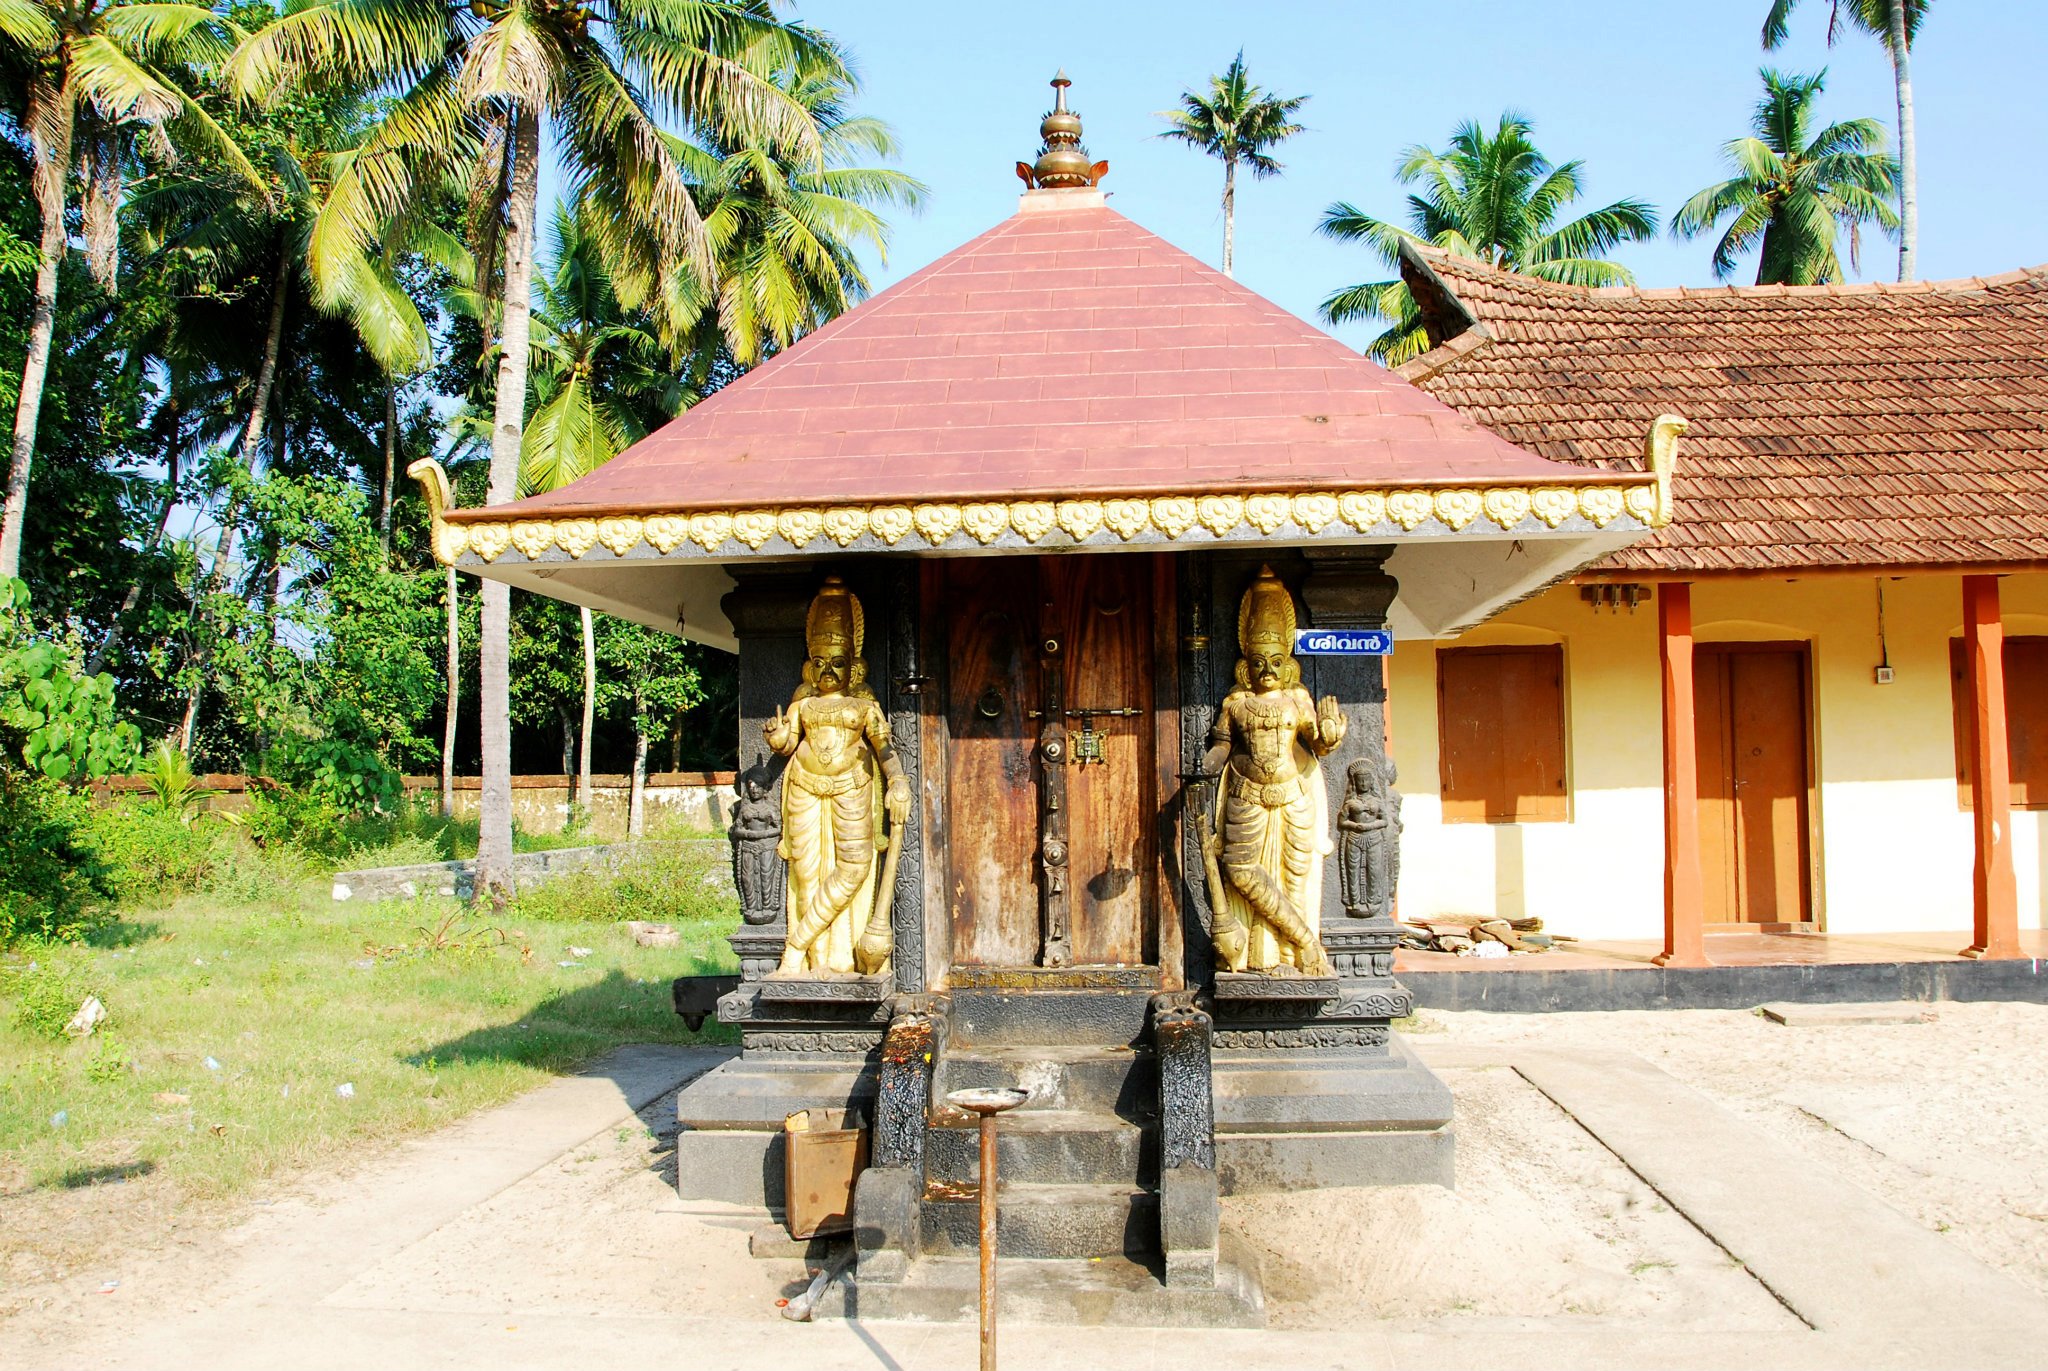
column 1050, row 794
column 1751, row 720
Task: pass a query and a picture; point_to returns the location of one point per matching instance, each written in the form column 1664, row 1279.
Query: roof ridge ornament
column 1062, row 162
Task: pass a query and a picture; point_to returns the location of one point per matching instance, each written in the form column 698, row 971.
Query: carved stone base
column 1252, row 985
column 759, row 949
column 1362, row 948
column 827, row 989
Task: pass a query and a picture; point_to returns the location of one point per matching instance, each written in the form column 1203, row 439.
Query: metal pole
column 988, row 1242
column 986, row 1103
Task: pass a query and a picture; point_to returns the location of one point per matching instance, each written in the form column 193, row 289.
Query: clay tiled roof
column 1832, row 426
column 1064, row 351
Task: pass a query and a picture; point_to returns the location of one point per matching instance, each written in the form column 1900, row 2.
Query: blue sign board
column 1343, row 642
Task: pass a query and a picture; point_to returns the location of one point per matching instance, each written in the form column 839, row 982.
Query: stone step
column 1115, row 1291
column 1043, row 1220
column 1048, row 1147
column 1078, row 1018
column 1116, row 1080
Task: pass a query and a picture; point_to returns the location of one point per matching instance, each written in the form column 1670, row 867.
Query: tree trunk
column 252, row 443
column 51, row 162
column 1229, row 215
column 390, row 471
column 111, row 644
column 454, row 700
column 589, row 708
column 636, row 800
column 675, row 745
column 1909, row 189
column 568, row 747
column 494, row 838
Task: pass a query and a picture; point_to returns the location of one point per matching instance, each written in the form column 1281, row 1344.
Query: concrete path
column 350, row 1282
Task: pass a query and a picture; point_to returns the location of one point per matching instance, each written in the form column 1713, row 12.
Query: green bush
column 45, row 997
column 152, row 855
column 658, row 883
column 53, row 880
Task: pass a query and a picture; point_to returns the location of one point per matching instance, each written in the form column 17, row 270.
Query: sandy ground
column 1946, row 1121
column 1544, row 1223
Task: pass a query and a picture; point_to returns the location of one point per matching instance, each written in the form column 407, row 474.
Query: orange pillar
column 1684, row 903
column 1994, row 895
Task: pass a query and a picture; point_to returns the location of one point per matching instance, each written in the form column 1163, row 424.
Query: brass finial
column 1062, row 161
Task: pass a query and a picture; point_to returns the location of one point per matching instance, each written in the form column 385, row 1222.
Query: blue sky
column 1644, row 93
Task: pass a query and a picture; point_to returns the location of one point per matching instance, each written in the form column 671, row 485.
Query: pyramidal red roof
column 1064, row 351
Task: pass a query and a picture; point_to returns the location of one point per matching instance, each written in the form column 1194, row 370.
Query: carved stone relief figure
column 833, row 799
column 1370, row 848
column 1269, row 828
column 1362, row 826
column 756, row 833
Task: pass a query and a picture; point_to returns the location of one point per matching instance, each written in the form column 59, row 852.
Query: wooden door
column 1022, row 637
column 1751, row 720
column 990, row 823
column 1099, row 609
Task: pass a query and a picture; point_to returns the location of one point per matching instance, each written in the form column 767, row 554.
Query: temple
column 1055, row 573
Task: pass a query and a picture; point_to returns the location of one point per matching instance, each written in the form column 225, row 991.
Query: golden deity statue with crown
column 837, row 741
column 1268, row 832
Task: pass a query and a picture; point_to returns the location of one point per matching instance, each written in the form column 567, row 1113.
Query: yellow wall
column 1892, row 848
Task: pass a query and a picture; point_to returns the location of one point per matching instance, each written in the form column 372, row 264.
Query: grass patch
column 234, row 1023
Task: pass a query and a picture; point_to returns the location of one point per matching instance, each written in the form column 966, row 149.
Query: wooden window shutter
column 2026, row 721
column 1500, row 734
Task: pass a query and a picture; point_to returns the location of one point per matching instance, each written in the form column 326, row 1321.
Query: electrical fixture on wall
column 1614, row 595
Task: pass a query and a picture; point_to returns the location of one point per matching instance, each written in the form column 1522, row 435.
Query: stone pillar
column 1684, row 897
column 1348, row 587
column 902, row 693
column 1994, row 896
column 766, row 608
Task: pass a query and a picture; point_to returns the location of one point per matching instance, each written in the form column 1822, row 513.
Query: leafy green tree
column 651, row 678
column 1491, row 197
column 1236, row 122
column 471, row 89
column 221, row 235
column 61, row 721
column 1794, row 188
column 1895, row 23
column 102, row 65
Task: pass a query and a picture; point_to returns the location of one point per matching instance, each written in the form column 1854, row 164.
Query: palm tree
column 472, row 86
column 226, row 232
column 1493, row 198
column 785, row 231
column 1793, row 188
column 1235, row 122
column 1895, row 23
column 98, row 64
column 601, row 377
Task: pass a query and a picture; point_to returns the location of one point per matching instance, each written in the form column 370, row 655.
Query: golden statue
column 1267, row 834
column 837, row 738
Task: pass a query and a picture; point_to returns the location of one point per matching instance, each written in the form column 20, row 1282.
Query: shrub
column 52, row 879
column 45, row 997
column 109, row 1062
column 659, row 883
column 150, row 854
column 344, row 774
